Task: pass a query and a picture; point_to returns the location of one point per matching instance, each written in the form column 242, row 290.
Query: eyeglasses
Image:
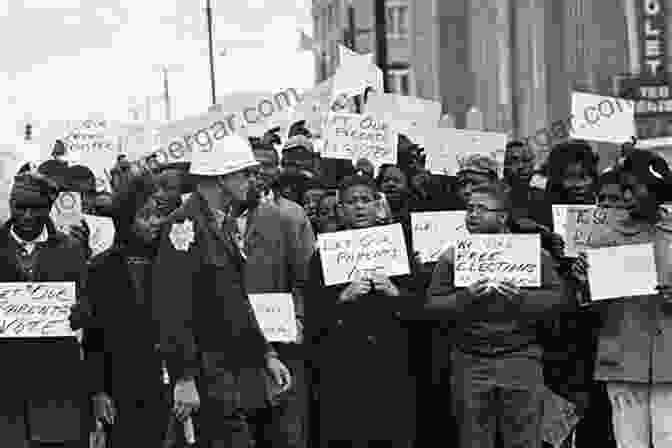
column 479, row 209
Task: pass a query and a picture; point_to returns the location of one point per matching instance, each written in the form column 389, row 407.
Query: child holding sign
column 366, row 392
column 497, row 354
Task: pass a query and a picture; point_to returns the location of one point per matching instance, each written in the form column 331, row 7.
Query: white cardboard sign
column 498, row 257
column 276, row 316
column 35, row 310
column 348, row 254
column 435, row 232
column 355, row 136
column 622, row 271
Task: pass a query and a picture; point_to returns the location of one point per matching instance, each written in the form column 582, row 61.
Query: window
column 399, row 81
column 397, row 22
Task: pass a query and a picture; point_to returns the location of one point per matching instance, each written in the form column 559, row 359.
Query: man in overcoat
column 41, row 383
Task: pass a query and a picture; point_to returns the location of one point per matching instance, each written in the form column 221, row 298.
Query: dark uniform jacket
column 42, row 384
column 206, row 323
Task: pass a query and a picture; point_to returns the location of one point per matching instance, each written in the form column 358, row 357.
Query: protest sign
column 602, row 118
column 498, row 257
column 29, row 310
column 560, row 223
column 92, row 143
column 354, row 137
column 314, row 107
column 101, row 235
column 586, row 226
column 67, row 211
column 348, row 254
column 354, row 75
column 434, row 232
column 446, row 148
column 622, row 271
column 408, row 114
column 276, row 316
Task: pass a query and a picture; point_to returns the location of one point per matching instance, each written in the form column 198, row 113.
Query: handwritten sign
column 92, row 143
column 584, row 227
column 351, row 253
column 34, row 310
column 498, row 257
column 447, row 148
column 67, row 210
column 434, row 232
column 406, row 113
column 622, row 271
column 355, row 136
column 560, row 219
column 276, row 316
column 101, row 234
column 602, row 118
column 354, row 75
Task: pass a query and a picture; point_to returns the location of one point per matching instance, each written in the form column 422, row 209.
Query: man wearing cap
column 213, row 344
column 475, row 170
column 298, row 156
column 43, row 400
column 279, row 243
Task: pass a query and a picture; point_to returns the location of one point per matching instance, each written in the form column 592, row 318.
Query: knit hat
column 299, row 141
column 650, row 169
column 34, row 189
column 479, row 164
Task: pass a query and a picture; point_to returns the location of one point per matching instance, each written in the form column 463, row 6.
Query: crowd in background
column 169, row 335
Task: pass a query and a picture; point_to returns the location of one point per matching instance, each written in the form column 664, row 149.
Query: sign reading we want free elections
column 498, row 257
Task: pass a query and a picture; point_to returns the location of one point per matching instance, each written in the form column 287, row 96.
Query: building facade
column 514, row 62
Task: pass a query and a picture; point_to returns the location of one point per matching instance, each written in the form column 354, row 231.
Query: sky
column 66, row 59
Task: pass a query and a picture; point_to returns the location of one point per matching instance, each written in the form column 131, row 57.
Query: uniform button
column 397, row 314
column 339, row 322
column 371, row 339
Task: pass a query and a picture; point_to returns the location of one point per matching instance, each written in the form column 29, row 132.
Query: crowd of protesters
column 170, row 337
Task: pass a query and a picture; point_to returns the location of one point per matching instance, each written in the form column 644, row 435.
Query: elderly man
column 208, row 331
column 43, row 400
column 279, row 243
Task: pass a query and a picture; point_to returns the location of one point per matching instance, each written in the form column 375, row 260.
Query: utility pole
column 350, row 34
column 208, row 12
column 166, row 96
column 380, row 14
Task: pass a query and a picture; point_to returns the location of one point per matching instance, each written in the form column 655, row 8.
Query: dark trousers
column 285, row 425
column 484, row 411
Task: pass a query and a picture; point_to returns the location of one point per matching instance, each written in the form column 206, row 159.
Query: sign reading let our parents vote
column 348, row 254
column 498, row 257
column 34, row 310
column 355, row 136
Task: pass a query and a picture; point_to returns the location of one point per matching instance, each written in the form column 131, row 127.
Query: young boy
column 498, row 377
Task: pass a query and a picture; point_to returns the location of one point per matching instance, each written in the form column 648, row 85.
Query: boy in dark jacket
column 498, row 377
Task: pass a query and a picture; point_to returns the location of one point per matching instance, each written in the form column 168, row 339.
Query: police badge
column 182, row 235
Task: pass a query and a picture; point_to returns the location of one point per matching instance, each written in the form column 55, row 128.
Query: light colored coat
column 635, row 341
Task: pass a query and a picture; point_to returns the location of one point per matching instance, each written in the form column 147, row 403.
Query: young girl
column 366, row 392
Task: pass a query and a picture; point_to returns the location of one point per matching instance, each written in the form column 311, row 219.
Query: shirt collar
column 29, row 245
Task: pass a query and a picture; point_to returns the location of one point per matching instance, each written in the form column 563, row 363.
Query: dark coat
column 42, row 388
column 360, row 357
column 206, row 322
column 120, row 347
